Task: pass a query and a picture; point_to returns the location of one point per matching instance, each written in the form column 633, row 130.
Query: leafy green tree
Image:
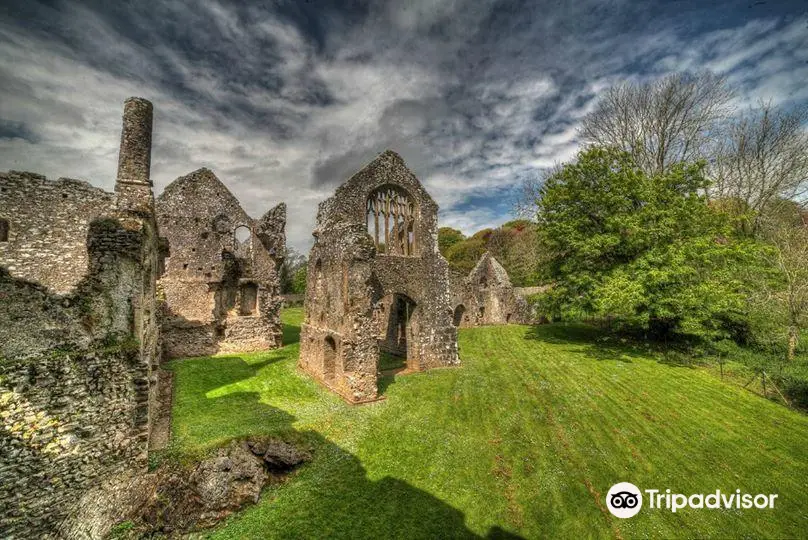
column 463, row 255
column 447, row 237
column 299, row 281
column 645, row 251
column 515, row 245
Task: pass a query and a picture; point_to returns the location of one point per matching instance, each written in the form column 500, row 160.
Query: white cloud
column 279, row 118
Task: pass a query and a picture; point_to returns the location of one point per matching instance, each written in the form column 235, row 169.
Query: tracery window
column 391, row 221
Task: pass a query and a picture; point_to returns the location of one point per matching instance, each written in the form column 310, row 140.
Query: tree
column 299, row 280
column 790, row 257
column 761, row 163
column 292, row 263
column 661, row 123
column 447, row 237
column 644, row 250
column 463, row 255
column 515, row 245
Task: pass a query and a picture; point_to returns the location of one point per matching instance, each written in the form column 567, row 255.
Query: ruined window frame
column 5, row 230
column 401, row 236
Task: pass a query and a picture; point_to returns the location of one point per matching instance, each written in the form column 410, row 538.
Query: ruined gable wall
column 206, row 273
column 486, row 296
column 48, row 224
column 343, row 297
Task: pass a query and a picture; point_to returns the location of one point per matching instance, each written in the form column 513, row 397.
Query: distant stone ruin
column 83, row 322
column 376, row 282
column 486, row 297
column 221, row 282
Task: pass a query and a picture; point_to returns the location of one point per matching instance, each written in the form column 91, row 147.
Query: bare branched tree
column 762, row 161
column 790, row 257
column 662, row 122
column 526, row 203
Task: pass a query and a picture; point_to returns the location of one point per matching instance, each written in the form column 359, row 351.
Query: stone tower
column 133, row 184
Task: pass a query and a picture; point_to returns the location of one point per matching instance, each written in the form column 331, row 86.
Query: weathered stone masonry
column 79, row 334
column 486, row 296
column 83, row 316
column 221, row 283
column 376, row 282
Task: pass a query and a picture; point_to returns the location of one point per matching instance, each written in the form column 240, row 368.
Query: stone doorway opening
column 394, row 350
column 457, row 317
column 329, row 359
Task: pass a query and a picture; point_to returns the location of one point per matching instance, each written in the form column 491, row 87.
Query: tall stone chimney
column 134, row 160
column 134, row 184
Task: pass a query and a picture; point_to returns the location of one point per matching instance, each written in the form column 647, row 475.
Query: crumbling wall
column 47, row 227
column 355, row 276
column 79, row 340
column 486, row 296
column 221, row 290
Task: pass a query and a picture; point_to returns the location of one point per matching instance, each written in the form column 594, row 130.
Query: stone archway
column 397, row 314
column 457, row 317
column 329, row 359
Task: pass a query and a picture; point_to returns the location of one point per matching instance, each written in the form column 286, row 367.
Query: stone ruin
column 221, row 284
column 82, row 398
column 79, row 333
column 376, row 283
column 486, row 297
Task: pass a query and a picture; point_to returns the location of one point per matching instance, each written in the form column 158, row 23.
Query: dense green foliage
column 646, row 252
column 299, row 281
column 514, row 245
column 526, row 436
column 447, row 237
column 463, row 256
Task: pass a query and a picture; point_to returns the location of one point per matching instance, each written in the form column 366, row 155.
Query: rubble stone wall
column 75, row 377
column 221, row 289
column 47, row 227
column 79, row 342
column 352, row 285
column 486, row 297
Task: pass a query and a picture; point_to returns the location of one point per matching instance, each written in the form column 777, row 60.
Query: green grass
column 525, row 438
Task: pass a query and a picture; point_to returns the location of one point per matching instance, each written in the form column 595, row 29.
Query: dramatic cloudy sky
column 285, row 101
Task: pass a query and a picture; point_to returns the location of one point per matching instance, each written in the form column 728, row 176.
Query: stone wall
column 486, row 296
column 356, row 278
column 221, row 289
column 48, row 221
column 79, row 342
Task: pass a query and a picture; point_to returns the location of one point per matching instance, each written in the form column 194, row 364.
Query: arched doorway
column 329, row 359
column 457, row 318
column 397, row 331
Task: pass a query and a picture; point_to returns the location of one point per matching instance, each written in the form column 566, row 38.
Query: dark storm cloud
column 284, row 100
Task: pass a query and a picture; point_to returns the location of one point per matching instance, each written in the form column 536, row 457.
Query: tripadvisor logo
column 624, row 500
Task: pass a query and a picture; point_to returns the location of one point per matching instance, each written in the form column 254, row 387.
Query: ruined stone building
column 376, row 282
column 84, row 318
column 79, row 334
column 486, row 296
column 221, row 283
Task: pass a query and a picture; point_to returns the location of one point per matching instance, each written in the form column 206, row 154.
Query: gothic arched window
column 391, row 221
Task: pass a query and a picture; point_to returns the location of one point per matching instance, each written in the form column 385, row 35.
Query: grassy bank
column 525, row 438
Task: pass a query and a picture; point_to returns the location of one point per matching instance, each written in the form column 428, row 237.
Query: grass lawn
column 525, row 438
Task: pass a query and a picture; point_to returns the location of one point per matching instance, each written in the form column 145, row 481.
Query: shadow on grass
column 595, row 343
column 338, row 500
column 384, row 382
column 291, row 334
